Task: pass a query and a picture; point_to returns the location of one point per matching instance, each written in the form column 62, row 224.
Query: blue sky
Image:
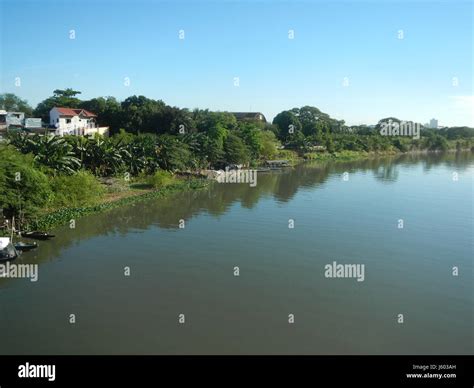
column 410, row 78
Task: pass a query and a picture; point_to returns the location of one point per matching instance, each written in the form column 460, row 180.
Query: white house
column 68, row 121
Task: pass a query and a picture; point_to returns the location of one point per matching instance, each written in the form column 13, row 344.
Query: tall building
column 433, row 123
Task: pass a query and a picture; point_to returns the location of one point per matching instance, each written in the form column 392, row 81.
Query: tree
column 269, row 144
column 61, row 98
column 214, row 146
column 51, row 151
column 176, row 121
column 172, row 154
column 23, row 187
column 12, row 103
column 235, row 150
column 196, row 143
column 141, row 154
column 329, row 143
column 288, row 124
column 310, row 117
column 105, row 156
column 436, row 143
column 299, row 142
column 108, row 110
column 250, row 134
column 142, row 114
column 206, row 120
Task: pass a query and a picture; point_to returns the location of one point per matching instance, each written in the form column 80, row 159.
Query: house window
column 68, row 121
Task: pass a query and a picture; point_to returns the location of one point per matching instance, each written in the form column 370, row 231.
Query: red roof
column 75, row 112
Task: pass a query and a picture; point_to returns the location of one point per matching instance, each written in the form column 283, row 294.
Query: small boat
column 25, row 247
column 37, row 235
column 263, row 169
column 274, row 164
column 7, row 250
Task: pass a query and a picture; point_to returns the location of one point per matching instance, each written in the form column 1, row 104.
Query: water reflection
column 218, row 198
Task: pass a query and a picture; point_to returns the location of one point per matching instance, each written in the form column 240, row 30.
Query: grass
column 112, row 201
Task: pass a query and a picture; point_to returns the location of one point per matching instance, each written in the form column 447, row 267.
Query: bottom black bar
column 384, row 371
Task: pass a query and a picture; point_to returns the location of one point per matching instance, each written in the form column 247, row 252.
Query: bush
column 79, row 189
column 160, row 179
column 401, row 145
column 236, row 152
column 289, row 155
column 22, row 186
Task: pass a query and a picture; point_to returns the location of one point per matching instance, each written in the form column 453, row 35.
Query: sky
column 358, row 61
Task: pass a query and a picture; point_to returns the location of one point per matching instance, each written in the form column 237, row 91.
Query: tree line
column 151, row 140
column 219, row 138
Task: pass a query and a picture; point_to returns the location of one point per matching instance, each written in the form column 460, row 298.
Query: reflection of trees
column 219, row 197
column 458, row 160
column 386, row 173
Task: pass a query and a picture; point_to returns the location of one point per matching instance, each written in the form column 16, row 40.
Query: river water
column 351, row 218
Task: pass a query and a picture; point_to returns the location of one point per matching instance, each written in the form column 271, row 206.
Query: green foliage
column 23, row 188
column 436, row 143
column 235, row 150
column 401, row 145
column 79, row 189
column 289, row 155
column 12, row 103
column 172, row 154
column 61, row 98
column 103, row 156
column 160, row 179
column 142, row 114
column 196, row 143
column 329, row 144
column 250, row 134
column 50, row 151
column 268, row 145
column 63, row 216
column 214, row 146
column 287, row 123
column 457, row 133
column 206, row 120
column 108, row 110
column 298, row 142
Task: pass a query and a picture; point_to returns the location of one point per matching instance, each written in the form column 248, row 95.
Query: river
column 128, row 274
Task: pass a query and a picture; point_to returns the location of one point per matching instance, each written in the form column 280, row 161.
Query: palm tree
column 52, row 151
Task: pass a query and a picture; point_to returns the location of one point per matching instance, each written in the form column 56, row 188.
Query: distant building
column 3, row 120
column 33, row 123
column 80, row 122
column 14, row 121
column 252, row 116
column 434, row 123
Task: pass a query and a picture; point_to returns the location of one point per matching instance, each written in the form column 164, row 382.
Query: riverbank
column 348, row 156
column 63, row 216
column 136, row 192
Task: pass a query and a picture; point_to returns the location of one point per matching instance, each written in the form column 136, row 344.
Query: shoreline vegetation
column 64, row 216
column 130, row 193
column 154, row 150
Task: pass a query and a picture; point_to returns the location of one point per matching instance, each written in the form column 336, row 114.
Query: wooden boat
column 7, row 250
column 274, row 164
column 25, row 247
column 37, row 235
